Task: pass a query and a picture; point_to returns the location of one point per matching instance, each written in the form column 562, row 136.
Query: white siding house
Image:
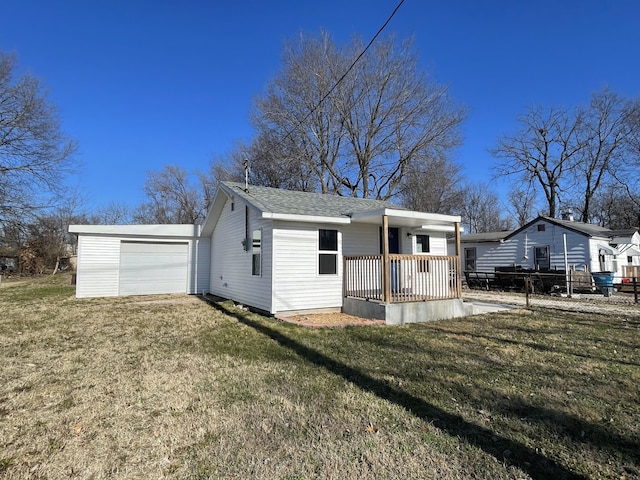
column 540, row 245
column 281, row 251
column 303, row 239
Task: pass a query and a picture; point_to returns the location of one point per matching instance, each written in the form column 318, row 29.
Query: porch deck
column 408, row 278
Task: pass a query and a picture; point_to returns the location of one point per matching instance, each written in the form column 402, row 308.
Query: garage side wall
column 98, row 266
column 200, row 259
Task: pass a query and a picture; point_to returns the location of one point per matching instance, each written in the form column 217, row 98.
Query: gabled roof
column 583, row 228
column 289, row 205
column 278, row 201
column 586, row 229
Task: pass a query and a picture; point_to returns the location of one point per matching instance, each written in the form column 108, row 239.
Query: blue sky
column 141, row 84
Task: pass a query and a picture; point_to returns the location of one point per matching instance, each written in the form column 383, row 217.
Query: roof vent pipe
column 245, row 164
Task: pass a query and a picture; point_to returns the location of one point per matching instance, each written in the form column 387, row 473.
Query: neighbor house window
column 328, row 252
column 541, row 227
column 541, row 258
column 422, row 243
column 256, row 253
column 470, row 259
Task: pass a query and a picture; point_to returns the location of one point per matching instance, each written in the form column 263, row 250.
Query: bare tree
column 433, row 185
column 627, row 173
column 613, row 207
column 542, row 152
column 46, row 239
column 395, row 116
column 171, row 198
column 481, row 210
column 296, row 124
column 356, row 134
column 114, row 213
column 603, row 137
column 571, row 153
column 34, row 154
column 522, row 199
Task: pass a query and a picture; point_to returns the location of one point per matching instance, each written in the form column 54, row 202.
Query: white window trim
column 253, row 253
column 337, row 253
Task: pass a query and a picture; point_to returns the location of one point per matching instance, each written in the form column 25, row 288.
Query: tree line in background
column 379, row 127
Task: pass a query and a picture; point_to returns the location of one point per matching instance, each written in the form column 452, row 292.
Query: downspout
column 197, row 242
column 458, row 263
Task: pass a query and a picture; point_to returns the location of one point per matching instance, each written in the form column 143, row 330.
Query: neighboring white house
column 540, row 245
column 279, row 251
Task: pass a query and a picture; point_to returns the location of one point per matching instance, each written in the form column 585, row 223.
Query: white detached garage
column 118, row 260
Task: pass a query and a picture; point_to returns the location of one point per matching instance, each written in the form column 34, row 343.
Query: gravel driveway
column 618, row 304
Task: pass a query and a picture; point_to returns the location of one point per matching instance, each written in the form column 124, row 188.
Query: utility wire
column 335, row 85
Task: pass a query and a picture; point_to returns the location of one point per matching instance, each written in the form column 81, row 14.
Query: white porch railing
column 412, row 278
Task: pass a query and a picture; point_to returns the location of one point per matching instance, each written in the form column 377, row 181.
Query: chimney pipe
column 567, row 215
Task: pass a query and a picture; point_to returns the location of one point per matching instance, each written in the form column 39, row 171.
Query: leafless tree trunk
column 297, row 127
column 603, row 135
column 542, row 152
column 396, row 118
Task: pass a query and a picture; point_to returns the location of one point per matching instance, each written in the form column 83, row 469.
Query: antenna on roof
column 245, row 164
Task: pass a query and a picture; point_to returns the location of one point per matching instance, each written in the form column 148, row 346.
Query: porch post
column 458, row 262
column 386, row 276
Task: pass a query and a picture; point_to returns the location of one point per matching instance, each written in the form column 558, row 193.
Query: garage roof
column 181, row 230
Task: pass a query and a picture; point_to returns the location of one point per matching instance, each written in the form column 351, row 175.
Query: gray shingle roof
column 485, row 236
column 275, row 200
column 586, row 228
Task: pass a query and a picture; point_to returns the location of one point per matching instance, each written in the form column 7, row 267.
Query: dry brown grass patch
column 169, row 387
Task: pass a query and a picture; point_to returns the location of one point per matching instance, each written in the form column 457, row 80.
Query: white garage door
column 149, row 268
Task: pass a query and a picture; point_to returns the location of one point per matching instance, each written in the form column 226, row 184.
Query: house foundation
column 407, row 312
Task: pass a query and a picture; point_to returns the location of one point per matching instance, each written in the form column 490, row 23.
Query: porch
column 404, row 289
column 408, row 278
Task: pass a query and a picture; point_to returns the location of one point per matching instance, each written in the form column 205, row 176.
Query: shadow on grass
column 542, row 348
column 503, row 449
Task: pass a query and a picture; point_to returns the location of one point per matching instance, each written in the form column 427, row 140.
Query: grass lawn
column 173, row 387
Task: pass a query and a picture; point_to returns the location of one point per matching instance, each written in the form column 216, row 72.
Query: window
column 422, row 243
column 470, row 259
column 256, row 255
column 541, row 227
column 541, row 258
column 328, row 256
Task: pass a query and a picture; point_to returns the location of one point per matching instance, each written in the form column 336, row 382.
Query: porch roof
column 408, row 218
